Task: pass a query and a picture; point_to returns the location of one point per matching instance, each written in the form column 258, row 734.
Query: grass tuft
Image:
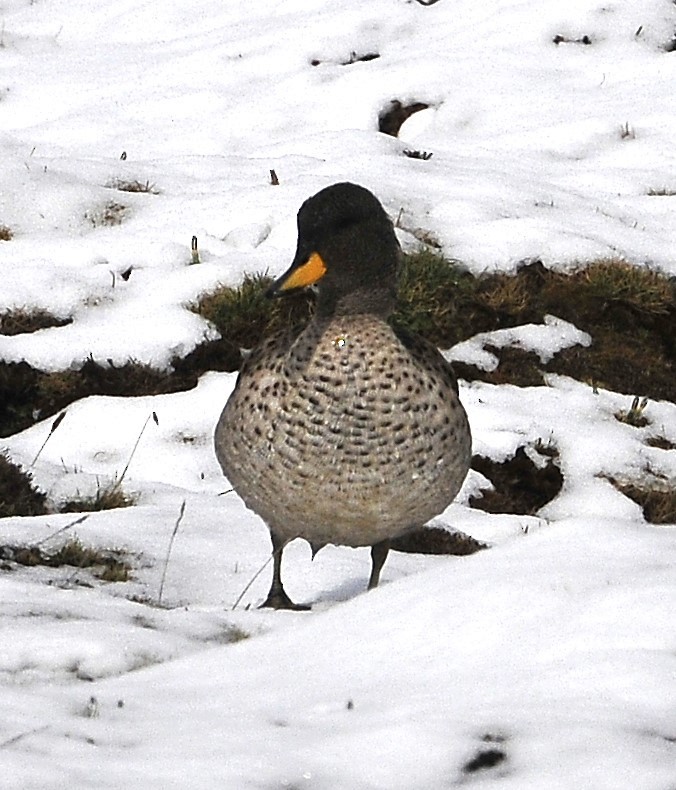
column 194, row 252
column 627, row 131
column 658, row 500
column 415, row 154
column 508, row 297
column 485, row 759
column 636, row 288
column 585, row 40
column 634, row 415
column 244, row 315
column 109, row 566
column 18, row 495
column 6, row 234
column 145, row 187
column 236, row 634
column 432, row 292
column 108, row 497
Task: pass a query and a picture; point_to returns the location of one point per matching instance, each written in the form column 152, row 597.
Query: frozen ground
column 548, row 661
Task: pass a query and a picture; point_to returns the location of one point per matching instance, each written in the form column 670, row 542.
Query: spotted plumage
column 349, row 432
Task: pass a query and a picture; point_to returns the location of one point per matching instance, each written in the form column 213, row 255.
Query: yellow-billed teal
column 349, row 431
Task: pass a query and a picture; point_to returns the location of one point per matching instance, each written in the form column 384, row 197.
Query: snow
column 557, row 646
column 546, row 340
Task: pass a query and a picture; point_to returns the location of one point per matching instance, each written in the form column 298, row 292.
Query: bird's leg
column 277, row 597
column 379, row 553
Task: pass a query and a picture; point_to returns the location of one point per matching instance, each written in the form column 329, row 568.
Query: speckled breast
column 346, row 437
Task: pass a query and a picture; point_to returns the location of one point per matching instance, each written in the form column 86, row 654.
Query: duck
column 349, row 431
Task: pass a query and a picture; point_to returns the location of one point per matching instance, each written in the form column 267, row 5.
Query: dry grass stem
column 170, row 547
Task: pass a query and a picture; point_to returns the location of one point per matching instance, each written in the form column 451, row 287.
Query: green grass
column 433, row 296
column 634, row 414
column 244, row 315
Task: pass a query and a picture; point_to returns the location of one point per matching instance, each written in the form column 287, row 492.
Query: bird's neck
column 380, row 302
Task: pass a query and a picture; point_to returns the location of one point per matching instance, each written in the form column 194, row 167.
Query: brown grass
column 661, row 192
column 657, row 500
column 392, row 118
column 144, row 187
column 109, row 566
column 628, row 311
column 108, row 497
column 661, row 442
column 519, row 486
column 18, row 495
column 18, row 322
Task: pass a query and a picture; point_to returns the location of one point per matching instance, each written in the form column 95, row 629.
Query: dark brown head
column 347, row 247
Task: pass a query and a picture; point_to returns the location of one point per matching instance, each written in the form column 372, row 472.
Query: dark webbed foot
column 278, row 599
